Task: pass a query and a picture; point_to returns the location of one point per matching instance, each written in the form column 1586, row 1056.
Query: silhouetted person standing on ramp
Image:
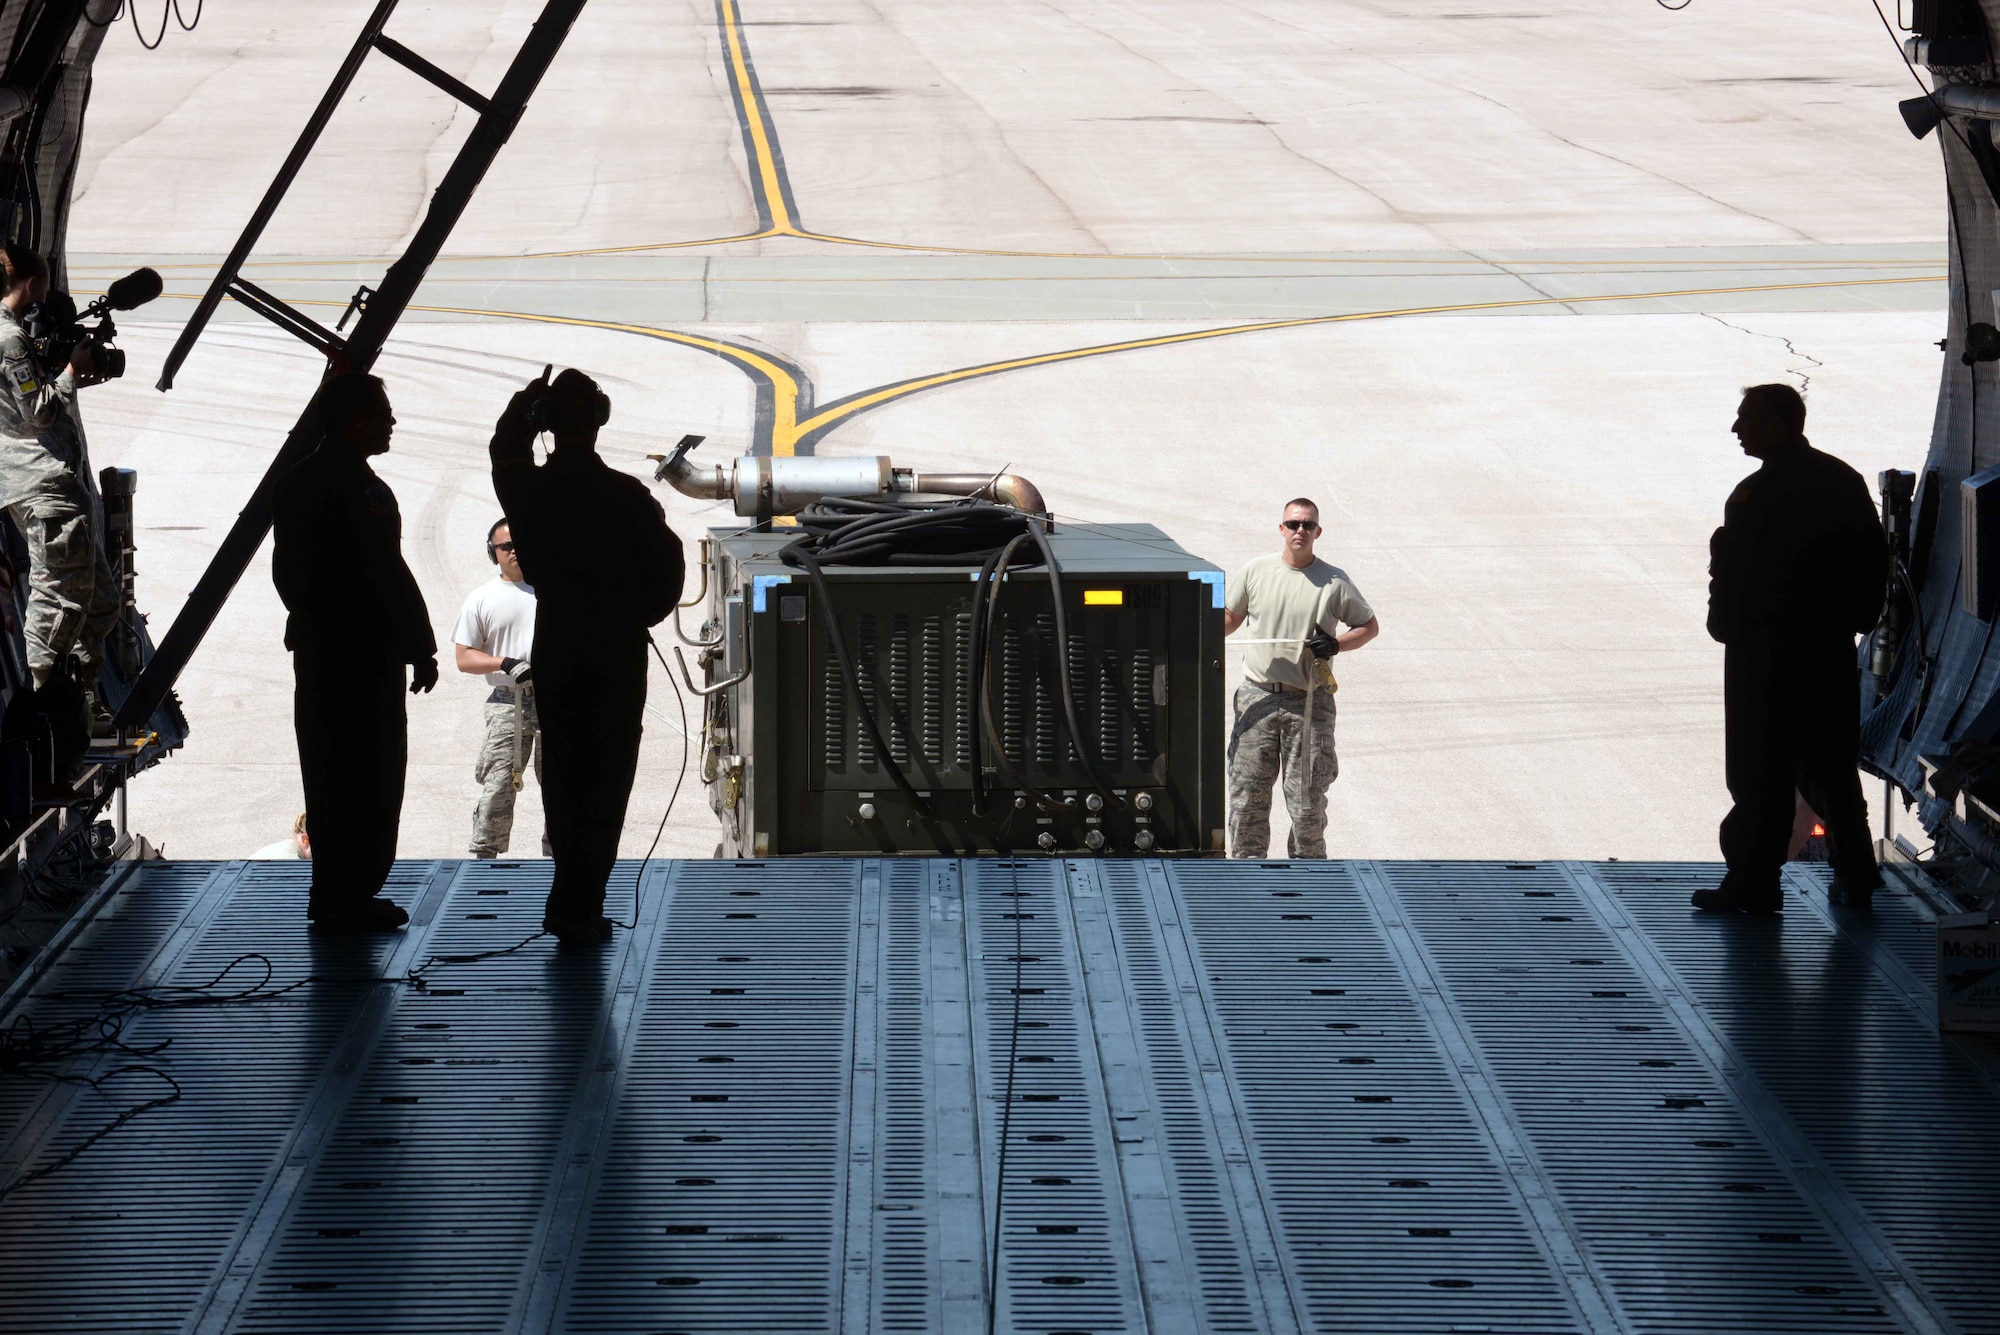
column 604, row 565
column 1797, row 570
column 356, row 620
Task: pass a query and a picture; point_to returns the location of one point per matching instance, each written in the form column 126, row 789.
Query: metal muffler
column 761, row 485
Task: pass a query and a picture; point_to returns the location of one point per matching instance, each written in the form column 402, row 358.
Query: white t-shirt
column 288, row 847
column 498, row 619
column 1288, row 604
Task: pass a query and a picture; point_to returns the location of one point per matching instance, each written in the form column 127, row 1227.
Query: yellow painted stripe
column 820, row 421
column 785, row 405
column 766, row 165
column 278, row 269
column 788, row 430
column 793, row 230
column 277, row 274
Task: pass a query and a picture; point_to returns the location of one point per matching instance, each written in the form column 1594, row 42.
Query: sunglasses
column 1299, row 525
column 503, row 546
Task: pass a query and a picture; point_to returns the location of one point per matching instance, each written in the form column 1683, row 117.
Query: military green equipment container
column 791, row 769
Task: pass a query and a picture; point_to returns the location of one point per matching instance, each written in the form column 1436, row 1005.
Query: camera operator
column 72, row 597
column 604, row 565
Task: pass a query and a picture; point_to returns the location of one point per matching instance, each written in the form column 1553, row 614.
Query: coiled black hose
column 985, row 613
column 879, row 533
column 971, row 531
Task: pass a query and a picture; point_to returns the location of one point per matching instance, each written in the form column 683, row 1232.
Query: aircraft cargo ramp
column 1023, row 1096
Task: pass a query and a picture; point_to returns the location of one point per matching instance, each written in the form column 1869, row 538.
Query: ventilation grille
column 913, row 671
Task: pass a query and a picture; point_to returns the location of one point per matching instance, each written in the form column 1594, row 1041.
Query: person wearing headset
column 359, row 634
column 605, row 567
column 494, row 638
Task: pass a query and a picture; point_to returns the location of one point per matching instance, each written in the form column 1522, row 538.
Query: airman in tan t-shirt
column 1295, row 605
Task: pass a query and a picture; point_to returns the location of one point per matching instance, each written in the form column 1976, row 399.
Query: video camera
column 57, row 326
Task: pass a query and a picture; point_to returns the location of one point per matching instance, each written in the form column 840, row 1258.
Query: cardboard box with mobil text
column 1969, row 973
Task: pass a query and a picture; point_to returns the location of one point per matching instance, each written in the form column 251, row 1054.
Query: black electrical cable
column 984, row 700
column 1014, row 898
column 802, row 557
column 39, row 1051
column 965, row 531
column 27, row 1049
column 850, row 531
column 170, row 10
column 975, row 681
column 96, row 1083
column 166, row 12
column 415, row 977
column 1068, row 688
column 681, row 701
column 857, row 532
column 1916, row 603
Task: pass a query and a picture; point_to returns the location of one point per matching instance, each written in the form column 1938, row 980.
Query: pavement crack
column 1805, row 377
column 1000, row 133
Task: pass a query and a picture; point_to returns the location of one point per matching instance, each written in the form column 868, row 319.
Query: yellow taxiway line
column 788, row 430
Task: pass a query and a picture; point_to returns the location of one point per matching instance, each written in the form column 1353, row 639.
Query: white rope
column 520, row 728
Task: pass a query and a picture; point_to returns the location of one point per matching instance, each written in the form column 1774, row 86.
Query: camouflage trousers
column 512, row 744
column 1266, row 748
column 72, row 598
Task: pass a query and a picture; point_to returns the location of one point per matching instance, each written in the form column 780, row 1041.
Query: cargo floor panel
column 1841, row 1066
column 1024, row 1095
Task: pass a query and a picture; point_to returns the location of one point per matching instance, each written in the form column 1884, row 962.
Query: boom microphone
column 134, row 289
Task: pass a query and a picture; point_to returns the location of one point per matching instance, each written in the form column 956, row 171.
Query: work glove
column 517, row 668
column 423, row 676
column 1322, row 645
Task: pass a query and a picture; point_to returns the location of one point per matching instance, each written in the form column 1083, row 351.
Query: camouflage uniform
column 72, row 597
column 1264, row 748
column 513, row 737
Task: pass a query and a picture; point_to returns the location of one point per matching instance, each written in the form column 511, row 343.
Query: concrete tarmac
column 1091, row 126
column 1238, row 255
column 729, row 288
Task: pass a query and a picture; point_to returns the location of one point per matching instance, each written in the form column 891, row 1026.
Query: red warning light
column 1819, row 832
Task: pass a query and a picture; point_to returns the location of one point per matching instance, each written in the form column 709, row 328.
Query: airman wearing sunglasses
column 1296, row 605
column 493, row 638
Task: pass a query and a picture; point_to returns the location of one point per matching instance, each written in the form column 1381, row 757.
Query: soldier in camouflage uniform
column 1264, row 750
column 1297, row 604
column 72, row 597
column 493, row 638
column 512, row 745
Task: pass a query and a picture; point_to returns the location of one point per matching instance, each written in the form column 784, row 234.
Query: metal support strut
column 498, row 115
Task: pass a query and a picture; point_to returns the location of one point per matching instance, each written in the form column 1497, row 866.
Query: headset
column 545, row 415
column 492, row 552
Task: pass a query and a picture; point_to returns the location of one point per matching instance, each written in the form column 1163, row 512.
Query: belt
column 1276, row 687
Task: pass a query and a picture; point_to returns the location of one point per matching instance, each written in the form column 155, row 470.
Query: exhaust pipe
column 761, row 485
column 1009, row 489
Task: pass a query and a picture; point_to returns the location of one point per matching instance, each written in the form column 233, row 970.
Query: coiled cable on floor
column 40, row 1052
column 415, row 977
column 1020, row 959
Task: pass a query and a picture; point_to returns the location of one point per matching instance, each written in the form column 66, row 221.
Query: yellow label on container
column 1104, row 597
